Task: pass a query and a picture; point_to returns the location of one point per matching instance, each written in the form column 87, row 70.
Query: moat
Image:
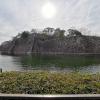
column 64, row 63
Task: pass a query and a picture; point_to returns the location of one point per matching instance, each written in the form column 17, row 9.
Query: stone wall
column 49, row 44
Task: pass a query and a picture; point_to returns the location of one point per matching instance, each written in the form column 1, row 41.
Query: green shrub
column 49, row 83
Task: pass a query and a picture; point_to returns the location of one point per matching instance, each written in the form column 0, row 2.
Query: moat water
column 62, row 63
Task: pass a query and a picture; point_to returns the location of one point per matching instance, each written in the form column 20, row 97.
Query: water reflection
column 64, row 63
column 9, row 63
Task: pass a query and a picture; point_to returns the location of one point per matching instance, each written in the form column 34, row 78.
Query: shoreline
column 50, row 53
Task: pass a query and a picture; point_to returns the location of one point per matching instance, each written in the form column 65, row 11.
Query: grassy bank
column 49, row 83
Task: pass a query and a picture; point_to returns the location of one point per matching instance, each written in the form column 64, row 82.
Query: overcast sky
column 20, row 15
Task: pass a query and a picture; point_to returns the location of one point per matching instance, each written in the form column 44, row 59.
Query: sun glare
column 48, row 10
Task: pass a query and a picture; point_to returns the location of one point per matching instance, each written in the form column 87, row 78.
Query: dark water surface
column 64, row 63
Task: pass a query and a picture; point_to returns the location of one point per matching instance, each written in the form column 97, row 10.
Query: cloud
column 20, row 15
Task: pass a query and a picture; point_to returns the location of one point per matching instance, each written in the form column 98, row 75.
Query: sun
column 48, row 10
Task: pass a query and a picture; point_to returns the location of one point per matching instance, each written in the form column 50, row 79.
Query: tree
column 59, row 33
column 48, row 30
column 34, row 31
column 74, row 32
column 25, row 34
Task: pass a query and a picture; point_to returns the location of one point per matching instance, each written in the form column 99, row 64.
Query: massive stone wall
column 47, row 44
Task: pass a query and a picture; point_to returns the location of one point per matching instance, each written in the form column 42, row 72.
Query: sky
column 19, row 15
